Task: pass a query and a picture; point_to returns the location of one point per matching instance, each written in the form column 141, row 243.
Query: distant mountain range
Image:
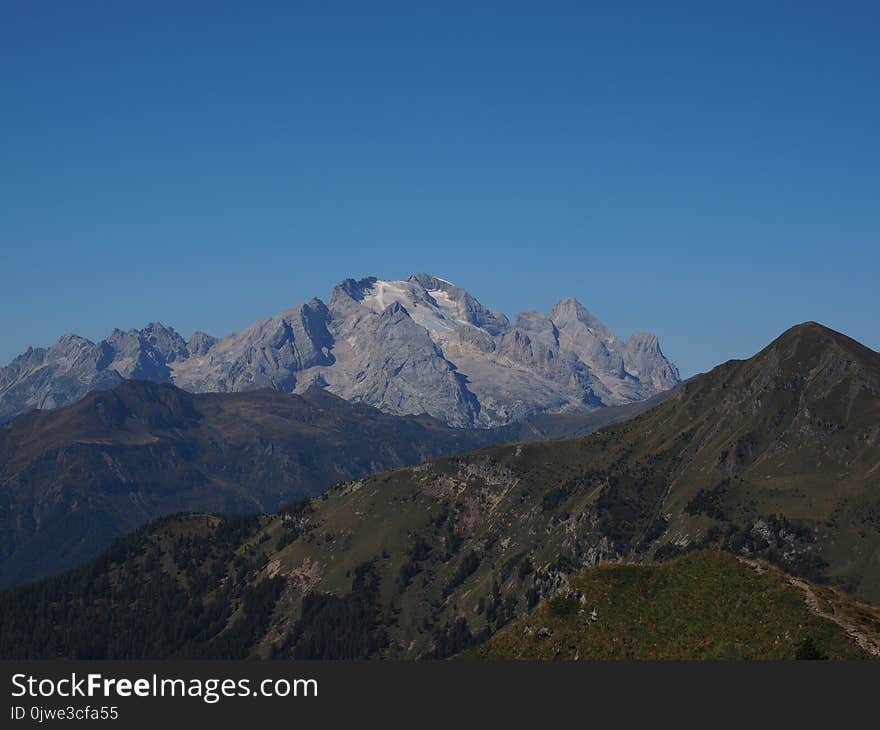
column 407, row 347
column 775, row 458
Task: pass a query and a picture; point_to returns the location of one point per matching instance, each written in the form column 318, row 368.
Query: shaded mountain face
column 407, row 347
column 75, row 478
column 783, row 450
column 774, row 458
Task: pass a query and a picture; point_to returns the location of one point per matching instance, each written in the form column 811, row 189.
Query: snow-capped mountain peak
column 410, row 346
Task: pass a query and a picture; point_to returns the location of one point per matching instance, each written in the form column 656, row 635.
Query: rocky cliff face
column 268, row 354
column 73, row 366
column 421, row 345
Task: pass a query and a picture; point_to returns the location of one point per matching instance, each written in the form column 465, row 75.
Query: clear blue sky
column 708, row 171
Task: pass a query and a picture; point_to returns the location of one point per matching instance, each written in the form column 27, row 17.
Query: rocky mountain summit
column 421, row 345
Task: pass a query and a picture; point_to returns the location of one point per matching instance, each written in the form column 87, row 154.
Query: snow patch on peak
column 382, row 293
column 418, row 302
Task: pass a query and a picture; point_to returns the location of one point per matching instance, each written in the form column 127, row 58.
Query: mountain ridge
column 408, row 346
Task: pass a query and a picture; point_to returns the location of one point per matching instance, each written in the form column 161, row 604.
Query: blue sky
column 707, row 173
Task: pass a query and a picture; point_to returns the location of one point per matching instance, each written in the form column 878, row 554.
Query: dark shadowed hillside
column 73, row 479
